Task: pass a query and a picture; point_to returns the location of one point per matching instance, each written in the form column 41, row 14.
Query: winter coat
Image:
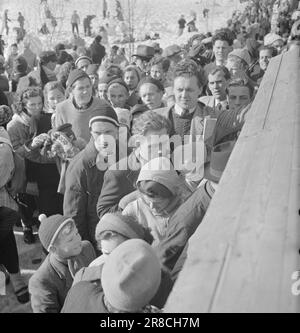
column 83, row 186
column 50, row 284
column 97, row 52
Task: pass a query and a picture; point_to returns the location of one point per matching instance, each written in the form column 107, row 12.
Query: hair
column 25, row 95
column 242, row 82
column 53, row 85
column 63, row 73
column 150, row 120
column 98, row 38
column 270, row 48
column 223, row 36
column 117, row 84
column 164, row 62
column 14, row 44
column 188, row 67
column 223, row 69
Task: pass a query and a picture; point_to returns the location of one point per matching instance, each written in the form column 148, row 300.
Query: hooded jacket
column 148, row 217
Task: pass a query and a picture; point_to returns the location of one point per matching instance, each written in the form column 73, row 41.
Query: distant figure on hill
column 181, row 23
column 75, row 21
column 21, row 20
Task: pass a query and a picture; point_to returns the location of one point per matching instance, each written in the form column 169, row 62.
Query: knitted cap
column 105, row 114
column 121, row 224
column 82, row 58
column 50, row 228
column 75, row 75
column 118, row 81
column 131, row 275
column 5, row 114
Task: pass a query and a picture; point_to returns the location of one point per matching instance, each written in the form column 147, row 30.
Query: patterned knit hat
column 5, row 114
column 105, row 114
column 50, row 228
column 75, row 75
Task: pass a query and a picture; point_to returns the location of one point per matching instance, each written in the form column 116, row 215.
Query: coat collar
column 60, row 268
column 91, row 153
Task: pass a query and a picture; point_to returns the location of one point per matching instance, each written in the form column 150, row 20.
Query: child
column 54, row 93
column 50, row 284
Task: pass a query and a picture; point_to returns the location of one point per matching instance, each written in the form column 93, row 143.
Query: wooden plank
column 241, row 257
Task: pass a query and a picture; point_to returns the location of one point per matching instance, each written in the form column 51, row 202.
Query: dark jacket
column 51, row 282
column 83, row 186
column 116, row 184
column 97, row 52
column 86, row 296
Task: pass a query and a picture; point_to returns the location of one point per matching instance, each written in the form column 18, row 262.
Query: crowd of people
column 116, row 160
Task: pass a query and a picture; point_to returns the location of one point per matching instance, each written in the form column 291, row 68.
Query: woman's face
column 34, row 106
column 158, row 204
column 54, row 97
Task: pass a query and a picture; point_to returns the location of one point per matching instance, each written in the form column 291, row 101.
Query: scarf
column 26, row 120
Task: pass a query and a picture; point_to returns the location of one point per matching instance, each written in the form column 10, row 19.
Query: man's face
column 69, row 242
column 151, row 96
column 157, row 204
column 142, row 63
column 217, row 85
column 82, row 91
column 221, row 50
column 51, row 65
column 104, row 135
column 131, row 79
column 157, row 72
column 238, row 97
column 83, row 64
column 264, row 59
column 117, row 95
column 186, row 92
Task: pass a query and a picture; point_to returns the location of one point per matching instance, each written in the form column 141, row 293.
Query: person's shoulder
column 62, row 106
column 43, row 274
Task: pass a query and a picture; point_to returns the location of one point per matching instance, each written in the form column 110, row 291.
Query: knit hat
column 105, row 114
column 131, row 275
column 82, row 58
column 242, row 54
column 75, row 75
column 149, row 79
column 122, row 224
column 5, row 114
column 118, row 81
column 50, row 228
column 92, row 69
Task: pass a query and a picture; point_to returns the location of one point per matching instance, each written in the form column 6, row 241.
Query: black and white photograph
column 150, row 159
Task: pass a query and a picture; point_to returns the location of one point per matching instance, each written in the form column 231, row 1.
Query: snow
column 149, row 16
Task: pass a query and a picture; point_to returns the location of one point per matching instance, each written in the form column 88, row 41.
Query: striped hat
column 105, row 114
column 50, row 228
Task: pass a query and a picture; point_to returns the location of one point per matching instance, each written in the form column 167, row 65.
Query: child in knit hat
column 50, row 284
